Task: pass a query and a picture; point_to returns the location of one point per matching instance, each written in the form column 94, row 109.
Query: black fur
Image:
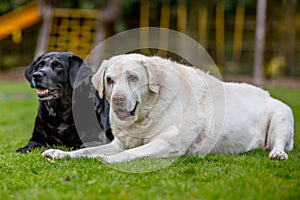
column 53, row 75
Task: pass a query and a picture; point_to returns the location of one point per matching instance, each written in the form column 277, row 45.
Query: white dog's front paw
column 55, row 154
column 278, row 154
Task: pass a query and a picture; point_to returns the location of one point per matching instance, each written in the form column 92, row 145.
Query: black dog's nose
column 38, row 75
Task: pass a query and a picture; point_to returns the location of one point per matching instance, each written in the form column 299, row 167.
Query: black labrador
column 66, row 100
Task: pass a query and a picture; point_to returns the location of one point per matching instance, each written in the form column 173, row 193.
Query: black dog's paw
column 25, row 149
column 29, row 147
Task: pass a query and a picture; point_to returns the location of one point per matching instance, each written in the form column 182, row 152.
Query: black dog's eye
column 109, row 81
column 40, row 65
column 57, row 65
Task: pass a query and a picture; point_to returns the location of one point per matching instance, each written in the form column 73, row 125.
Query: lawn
column 251, row 175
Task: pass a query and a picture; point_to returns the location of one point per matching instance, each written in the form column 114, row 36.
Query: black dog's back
column 70, row 112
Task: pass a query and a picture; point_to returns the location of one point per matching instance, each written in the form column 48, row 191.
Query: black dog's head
column 51, row 73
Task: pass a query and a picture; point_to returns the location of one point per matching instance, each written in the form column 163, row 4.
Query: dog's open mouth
column 125, row 114
column 46, row 94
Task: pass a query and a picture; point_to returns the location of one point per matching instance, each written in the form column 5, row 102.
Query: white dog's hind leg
column 281, row 131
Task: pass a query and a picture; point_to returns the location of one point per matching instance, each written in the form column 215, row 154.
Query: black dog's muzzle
column 43, row 91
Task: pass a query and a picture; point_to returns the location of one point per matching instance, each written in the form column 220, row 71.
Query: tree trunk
column 260, row 41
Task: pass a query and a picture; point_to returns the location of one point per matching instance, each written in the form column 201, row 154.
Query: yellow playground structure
column 62, row 29
column 13, row 22
column 78, row 30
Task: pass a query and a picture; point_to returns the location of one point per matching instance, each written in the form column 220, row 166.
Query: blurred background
column 247, row 39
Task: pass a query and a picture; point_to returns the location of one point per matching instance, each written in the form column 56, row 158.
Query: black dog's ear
column 79, row 72
column 30, row 70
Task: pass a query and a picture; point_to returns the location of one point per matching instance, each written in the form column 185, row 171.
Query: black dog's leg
column 30, row 146
column 38, row 138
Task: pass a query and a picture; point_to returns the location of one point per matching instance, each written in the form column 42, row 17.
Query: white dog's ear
column 98, row 78
column 155, row 74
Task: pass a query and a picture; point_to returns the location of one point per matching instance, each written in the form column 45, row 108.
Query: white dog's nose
column 118, row 98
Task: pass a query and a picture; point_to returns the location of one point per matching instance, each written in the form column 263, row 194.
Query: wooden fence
column 228, row 34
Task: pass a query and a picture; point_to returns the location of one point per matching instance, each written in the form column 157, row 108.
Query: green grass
column 247, row 176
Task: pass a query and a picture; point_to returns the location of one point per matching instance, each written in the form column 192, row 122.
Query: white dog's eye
column 132, row 78
column 109, row 81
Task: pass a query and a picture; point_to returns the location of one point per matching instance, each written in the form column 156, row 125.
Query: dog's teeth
column 42, row 91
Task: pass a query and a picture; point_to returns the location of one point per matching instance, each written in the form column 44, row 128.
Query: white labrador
column 160, row 108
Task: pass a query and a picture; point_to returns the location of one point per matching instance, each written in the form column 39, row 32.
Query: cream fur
column 182, row 110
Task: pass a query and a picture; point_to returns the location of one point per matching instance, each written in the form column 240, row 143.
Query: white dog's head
column 127, row 80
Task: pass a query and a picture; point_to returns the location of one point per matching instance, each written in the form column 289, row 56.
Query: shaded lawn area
column 249, row 175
